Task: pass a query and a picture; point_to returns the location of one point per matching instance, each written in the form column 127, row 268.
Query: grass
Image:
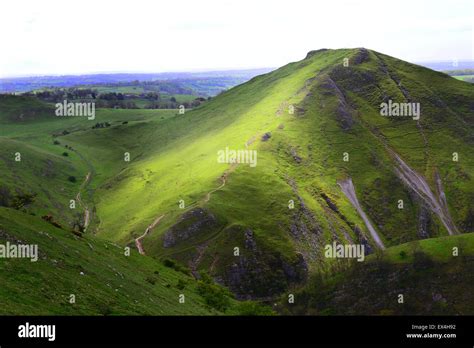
column 441, row 249
column 431, row 280
column 103, row 280
column 464, row 77
column 174, row 158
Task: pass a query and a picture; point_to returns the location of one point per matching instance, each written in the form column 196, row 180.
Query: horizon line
column 117, row 72
column 197, row 71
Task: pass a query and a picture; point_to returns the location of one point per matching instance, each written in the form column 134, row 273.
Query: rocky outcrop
column 343, row 110
column 361, row 56
column 257, row 274
column 424, row 222
column 363, row 240
column 191, row 224
column 266, row 136
column 305, row 229
column 295, row 155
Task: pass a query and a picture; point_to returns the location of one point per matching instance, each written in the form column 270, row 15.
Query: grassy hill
column 337, row 111
column 316, row 126
column 22, row 109
column 103, row 279
column 431, row 279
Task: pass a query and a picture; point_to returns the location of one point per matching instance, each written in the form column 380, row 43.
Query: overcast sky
column 52, row 37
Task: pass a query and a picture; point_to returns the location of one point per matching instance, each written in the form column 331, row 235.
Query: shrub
column 177, row 267
column 21, row 200
column 169, row 263
column 72, row 178
column 422, row 261
column 214, row 295
column 253, row 308
column 181, row 284
column 5, row 196
column 151, row 280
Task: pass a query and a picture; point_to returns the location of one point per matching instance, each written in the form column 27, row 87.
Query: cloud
column 58, row 37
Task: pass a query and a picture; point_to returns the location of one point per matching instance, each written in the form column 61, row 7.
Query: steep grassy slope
column 337, row 112
column 102, row 278
column 186, row 168
column 96, row 271
column 316, row 126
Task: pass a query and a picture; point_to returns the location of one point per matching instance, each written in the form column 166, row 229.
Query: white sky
column 73, row 37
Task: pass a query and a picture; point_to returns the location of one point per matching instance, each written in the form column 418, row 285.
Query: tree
column 72, row 178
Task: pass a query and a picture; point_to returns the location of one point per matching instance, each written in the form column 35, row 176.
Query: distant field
column 121, row 89
column 209, row 82
column 462, row 74
column 464, row 77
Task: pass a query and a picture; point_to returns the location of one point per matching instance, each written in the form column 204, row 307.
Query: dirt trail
column 419, row 185
column 208, row 195
column 138, row 241
column 224, row 180
column 81, row 203
column 348, row 188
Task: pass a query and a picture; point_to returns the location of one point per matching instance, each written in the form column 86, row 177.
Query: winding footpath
column 138, row 241
column 208, row 195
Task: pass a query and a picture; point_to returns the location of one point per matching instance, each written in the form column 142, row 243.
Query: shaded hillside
column 431, row 280
column 23, row 109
